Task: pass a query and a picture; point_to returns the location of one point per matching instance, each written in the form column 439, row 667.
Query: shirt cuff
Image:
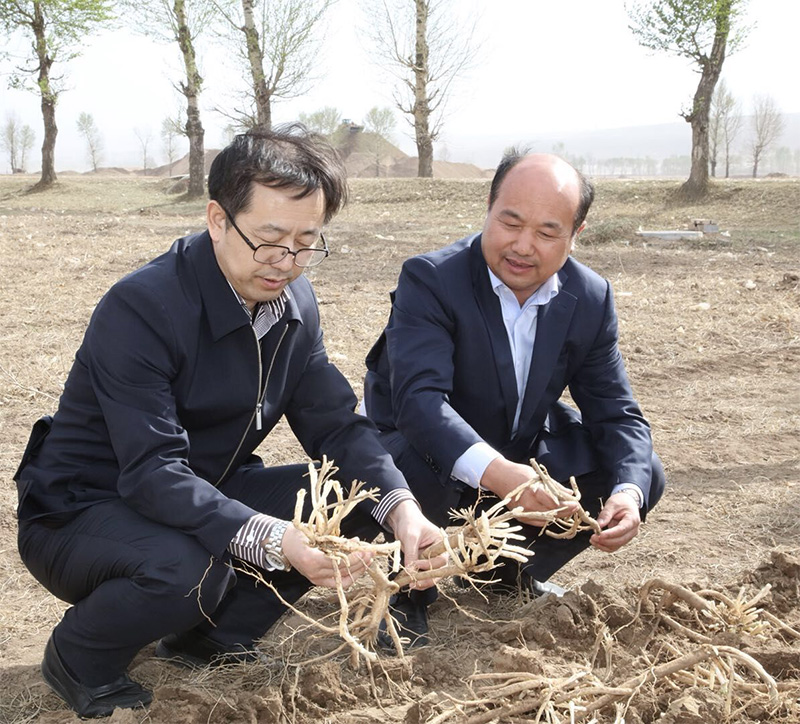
column 246, row 544
column 629, row 487
column 389, row 502
column 470, row 467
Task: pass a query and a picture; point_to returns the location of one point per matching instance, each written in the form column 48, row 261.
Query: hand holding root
column 566, row 498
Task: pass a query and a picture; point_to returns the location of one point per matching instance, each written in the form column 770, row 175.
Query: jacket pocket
column 41, row 429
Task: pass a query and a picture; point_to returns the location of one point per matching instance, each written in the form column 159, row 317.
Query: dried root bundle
column 582, row 696
column 568, row 526
column 703, row 614
column 474, row 544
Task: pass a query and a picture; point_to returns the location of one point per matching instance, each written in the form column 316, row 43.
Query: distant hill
column 367, row 155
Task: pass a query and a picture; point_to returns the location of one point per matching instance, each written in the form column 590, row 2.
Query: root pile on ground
column 678, row 641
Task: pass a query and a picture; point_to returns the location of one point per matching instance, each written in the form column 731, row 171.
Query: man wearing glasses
column 143, row 487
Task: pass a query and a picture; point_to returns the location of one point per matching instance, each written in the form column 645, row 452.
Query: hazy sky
column 543, row 68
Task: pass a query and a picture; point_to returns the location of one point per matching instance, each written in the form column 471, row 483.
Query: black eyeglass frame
column 286, row 249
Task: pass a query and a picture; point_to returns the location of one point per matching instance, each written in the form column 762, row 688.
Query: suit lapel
column 551, row 330
column 489, row 306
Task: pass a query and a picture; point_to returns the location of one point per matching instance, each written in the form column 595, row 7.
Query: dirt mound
column 181, row 166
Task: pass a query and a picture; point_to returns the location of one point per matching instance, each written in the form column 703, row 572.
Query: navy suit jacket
column 161, row 404
column 442, row 373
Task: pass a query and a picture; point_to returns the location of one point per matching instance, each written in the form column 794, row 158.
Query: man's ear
column 216, row 219
column 575, row 237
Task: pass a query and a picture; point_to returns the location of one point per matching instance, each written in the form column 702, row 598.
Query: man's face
column 272, row 217
column 528, row 235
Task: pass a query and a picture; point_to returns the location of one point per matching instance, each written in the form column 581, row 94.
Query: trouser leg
column 130, row 581
column 251, row 608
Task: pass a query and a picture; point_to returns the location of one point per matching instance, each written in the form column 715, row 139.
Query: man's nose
column 524, row 242
column 286, row 263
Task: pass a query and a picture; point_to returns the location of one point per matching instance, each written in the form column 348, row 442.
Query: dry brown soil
column 711, row 334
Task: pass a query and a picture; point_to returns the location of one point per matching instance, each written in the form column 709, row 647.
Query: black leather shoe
column 91, row 701
column 195, row 650
column 410, row 614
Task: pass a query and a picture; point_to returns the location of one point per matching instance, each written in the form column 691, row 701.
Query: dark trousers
column 131, row 580
column 438, row 498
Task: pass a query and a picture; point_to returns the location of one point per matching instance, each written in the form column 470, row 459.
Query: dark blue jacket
column 443, row 374
column 161, row 403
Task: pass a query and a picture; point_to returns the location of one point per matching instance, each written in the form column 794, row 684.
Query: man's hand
column 415, row 533
column 502, row 476
column 620, row 521
column 316, row 566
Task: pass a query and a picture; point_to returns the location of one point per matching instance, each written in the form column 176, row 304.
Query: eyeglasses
column 276, row 253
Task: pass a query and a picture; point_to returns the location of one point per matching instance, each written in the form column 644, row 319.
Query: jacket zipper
column 262, row 393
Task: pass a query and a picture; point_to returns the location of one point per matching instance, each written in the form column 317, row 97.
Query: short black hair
column 288, row 156
column 514, row 155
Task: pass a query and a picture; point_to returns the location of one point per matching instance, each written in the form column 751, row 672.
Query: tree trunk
column 422, row 110
column 191, row 90
column 696, row 186
column 49, row 98
column 256, row 61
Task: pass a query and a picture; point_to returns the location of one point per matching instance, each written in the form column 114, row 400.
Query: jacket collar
column 221, row 306
column 489, row 306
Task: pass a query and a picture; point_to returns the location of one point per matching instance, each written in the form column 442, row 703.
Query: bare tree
column 731, row 125
column 325, row 121
column 704, row 31
column 57, row 29
column 181, row 22
column 422, row 46
column 725, row 122
column 380, row 122
column 171, row 129
column 10, row 141
column 16, row 139
column 94, row 141
column 144, row 136
column 26, row 141
column 280, row 42
column 768, row 126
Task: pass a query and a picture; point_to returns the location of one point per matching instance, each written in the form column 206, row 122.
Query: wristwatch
column 635, row 492
column 273, row 548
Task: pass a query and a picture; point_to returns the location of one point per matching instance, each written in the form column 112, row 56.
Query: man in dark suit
column 140, row 491
column 484, row 337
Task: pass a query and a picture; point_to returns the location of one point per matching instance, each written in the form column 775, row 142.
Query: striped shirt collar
column 265, row 314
